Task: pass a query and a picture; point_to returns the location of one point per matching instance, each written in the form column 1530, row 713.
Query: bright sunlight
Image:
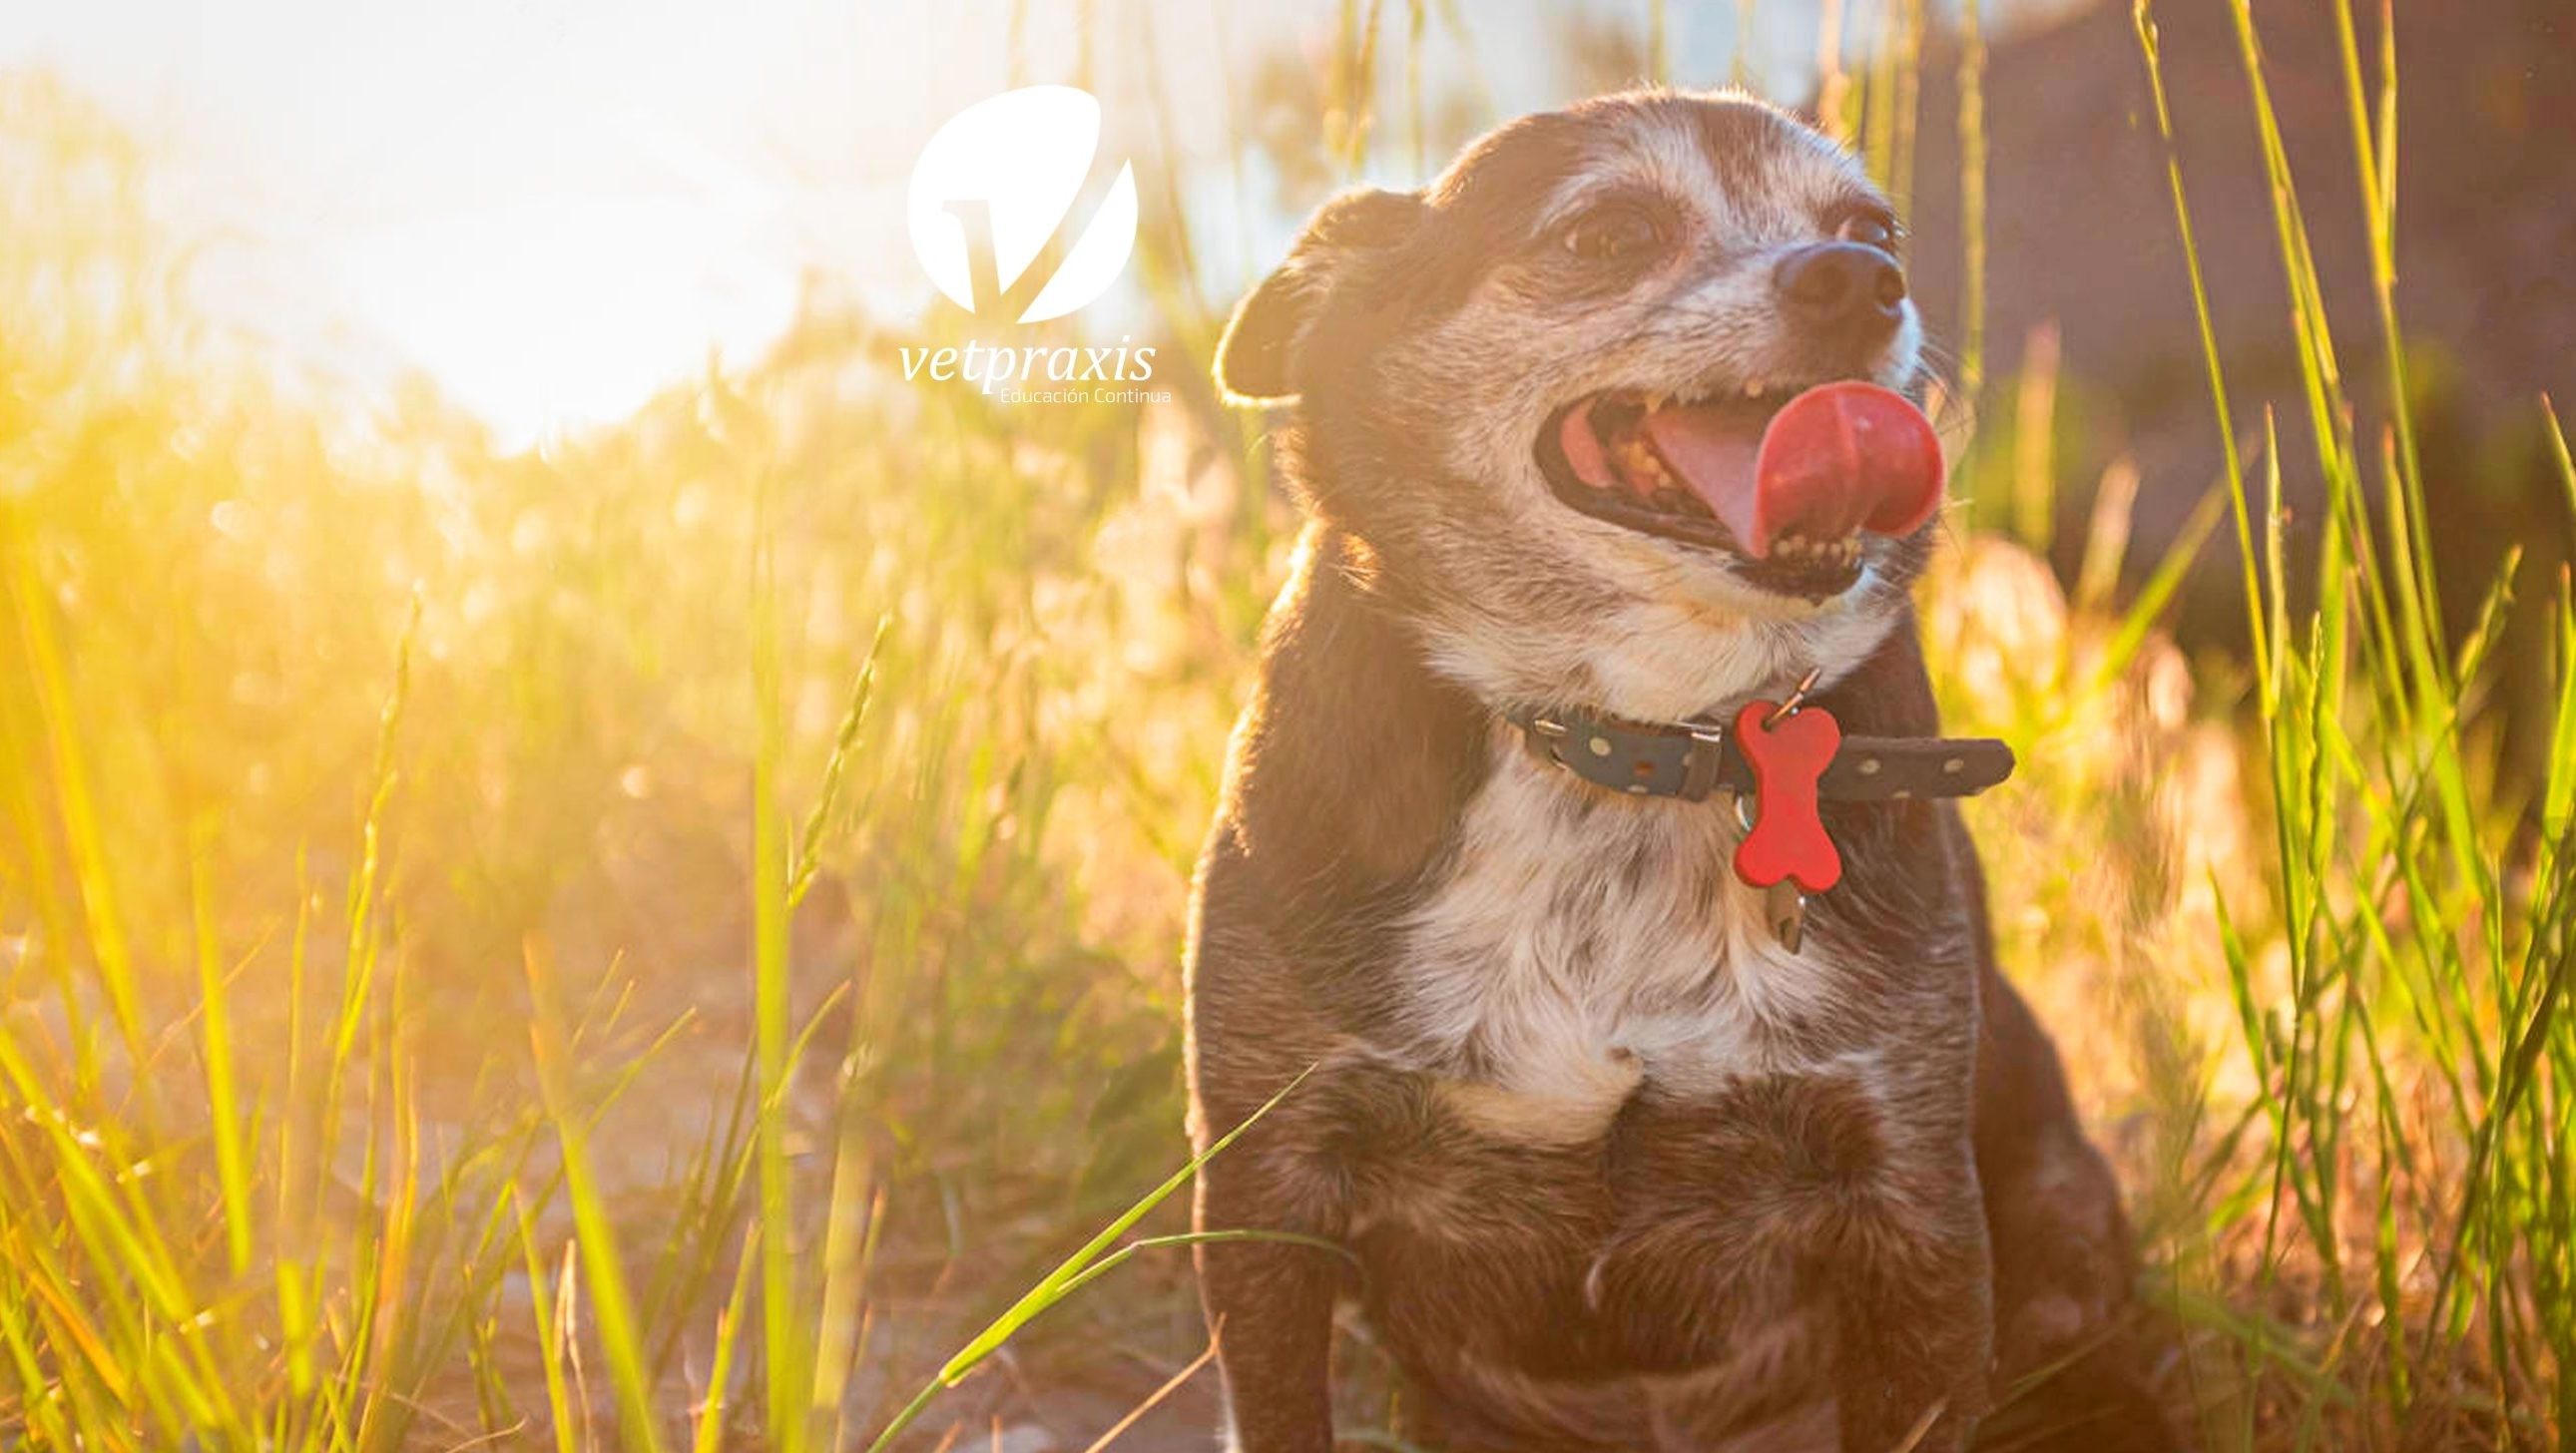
column 605, row 832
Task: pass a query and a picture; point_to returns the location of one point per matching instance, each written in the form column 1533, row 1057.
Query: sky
column 555, row 207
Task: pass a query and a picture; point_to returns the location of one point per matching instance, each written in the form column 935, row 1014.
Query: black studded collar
column 1691, row 760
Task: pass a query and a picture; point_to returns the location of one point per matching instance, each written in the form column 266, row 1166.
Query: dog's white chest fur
column 1583, row 943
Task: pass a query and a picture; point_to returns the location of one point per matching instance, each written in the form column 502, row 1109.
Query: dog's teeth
column 1755, row 388
column 1639, row 467
column 1656, row 401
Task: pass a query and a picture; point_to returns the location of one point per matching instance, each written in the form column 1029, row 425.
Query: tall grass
column 2411, row 1050
column 666, row 940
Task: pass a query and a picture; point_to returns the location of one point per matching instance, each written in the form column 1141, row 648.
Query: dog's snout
column 1845, row 287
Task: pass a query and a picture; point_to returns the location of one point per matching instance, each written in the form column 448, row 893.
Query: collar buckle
column 1539, row 735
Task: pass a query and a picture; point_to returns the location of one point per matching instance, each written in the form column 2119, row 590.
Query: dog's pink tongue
column 1840, row 457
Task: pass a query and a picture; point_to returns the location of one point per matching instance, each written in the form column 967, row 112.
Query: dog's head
column 1535, row 391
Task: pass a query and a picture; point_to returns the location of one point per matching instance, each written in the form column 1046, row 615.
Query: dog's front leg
column 1270, row 1308
column 1918, row 1338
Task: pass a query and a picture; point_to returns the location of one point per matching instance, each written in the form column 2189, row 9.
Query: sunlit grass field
column 670, row 940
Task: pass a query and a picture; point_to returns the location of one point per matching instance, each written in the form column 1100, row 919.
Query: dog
column 1612, row 1148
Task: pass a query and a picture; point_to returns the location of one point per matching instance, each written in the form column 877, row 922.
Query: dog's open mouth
column 1788, row 480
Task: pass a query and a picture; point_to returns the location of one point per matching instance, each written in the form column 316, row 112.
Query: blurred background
column 550, row 213
column 586, row 864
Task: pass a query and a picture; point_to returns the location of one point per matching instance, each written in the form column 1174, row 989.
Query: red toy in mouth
column 1805, row 480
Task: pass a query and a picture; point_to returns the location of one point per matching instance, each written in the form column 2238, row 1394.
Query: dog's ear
column 1255, row 362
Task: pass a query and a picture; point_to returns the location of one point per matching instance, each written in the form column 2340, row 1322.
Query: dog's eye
column 1870, row 228
column 1614, row 234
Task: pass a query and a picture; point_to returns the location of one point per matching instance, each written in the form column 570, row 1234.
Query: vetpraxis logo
column 1017, row 218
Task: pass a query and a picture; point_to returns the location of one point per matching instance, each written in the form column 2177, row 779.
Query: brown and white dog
column 1614, row 1167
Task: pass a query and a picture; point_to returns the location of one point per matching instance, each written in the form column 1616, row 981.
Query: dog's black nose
column 1844, row 287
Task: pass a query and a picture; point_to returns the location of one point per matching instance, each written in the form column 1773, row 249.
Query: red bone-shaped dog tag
column 1787, row 839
